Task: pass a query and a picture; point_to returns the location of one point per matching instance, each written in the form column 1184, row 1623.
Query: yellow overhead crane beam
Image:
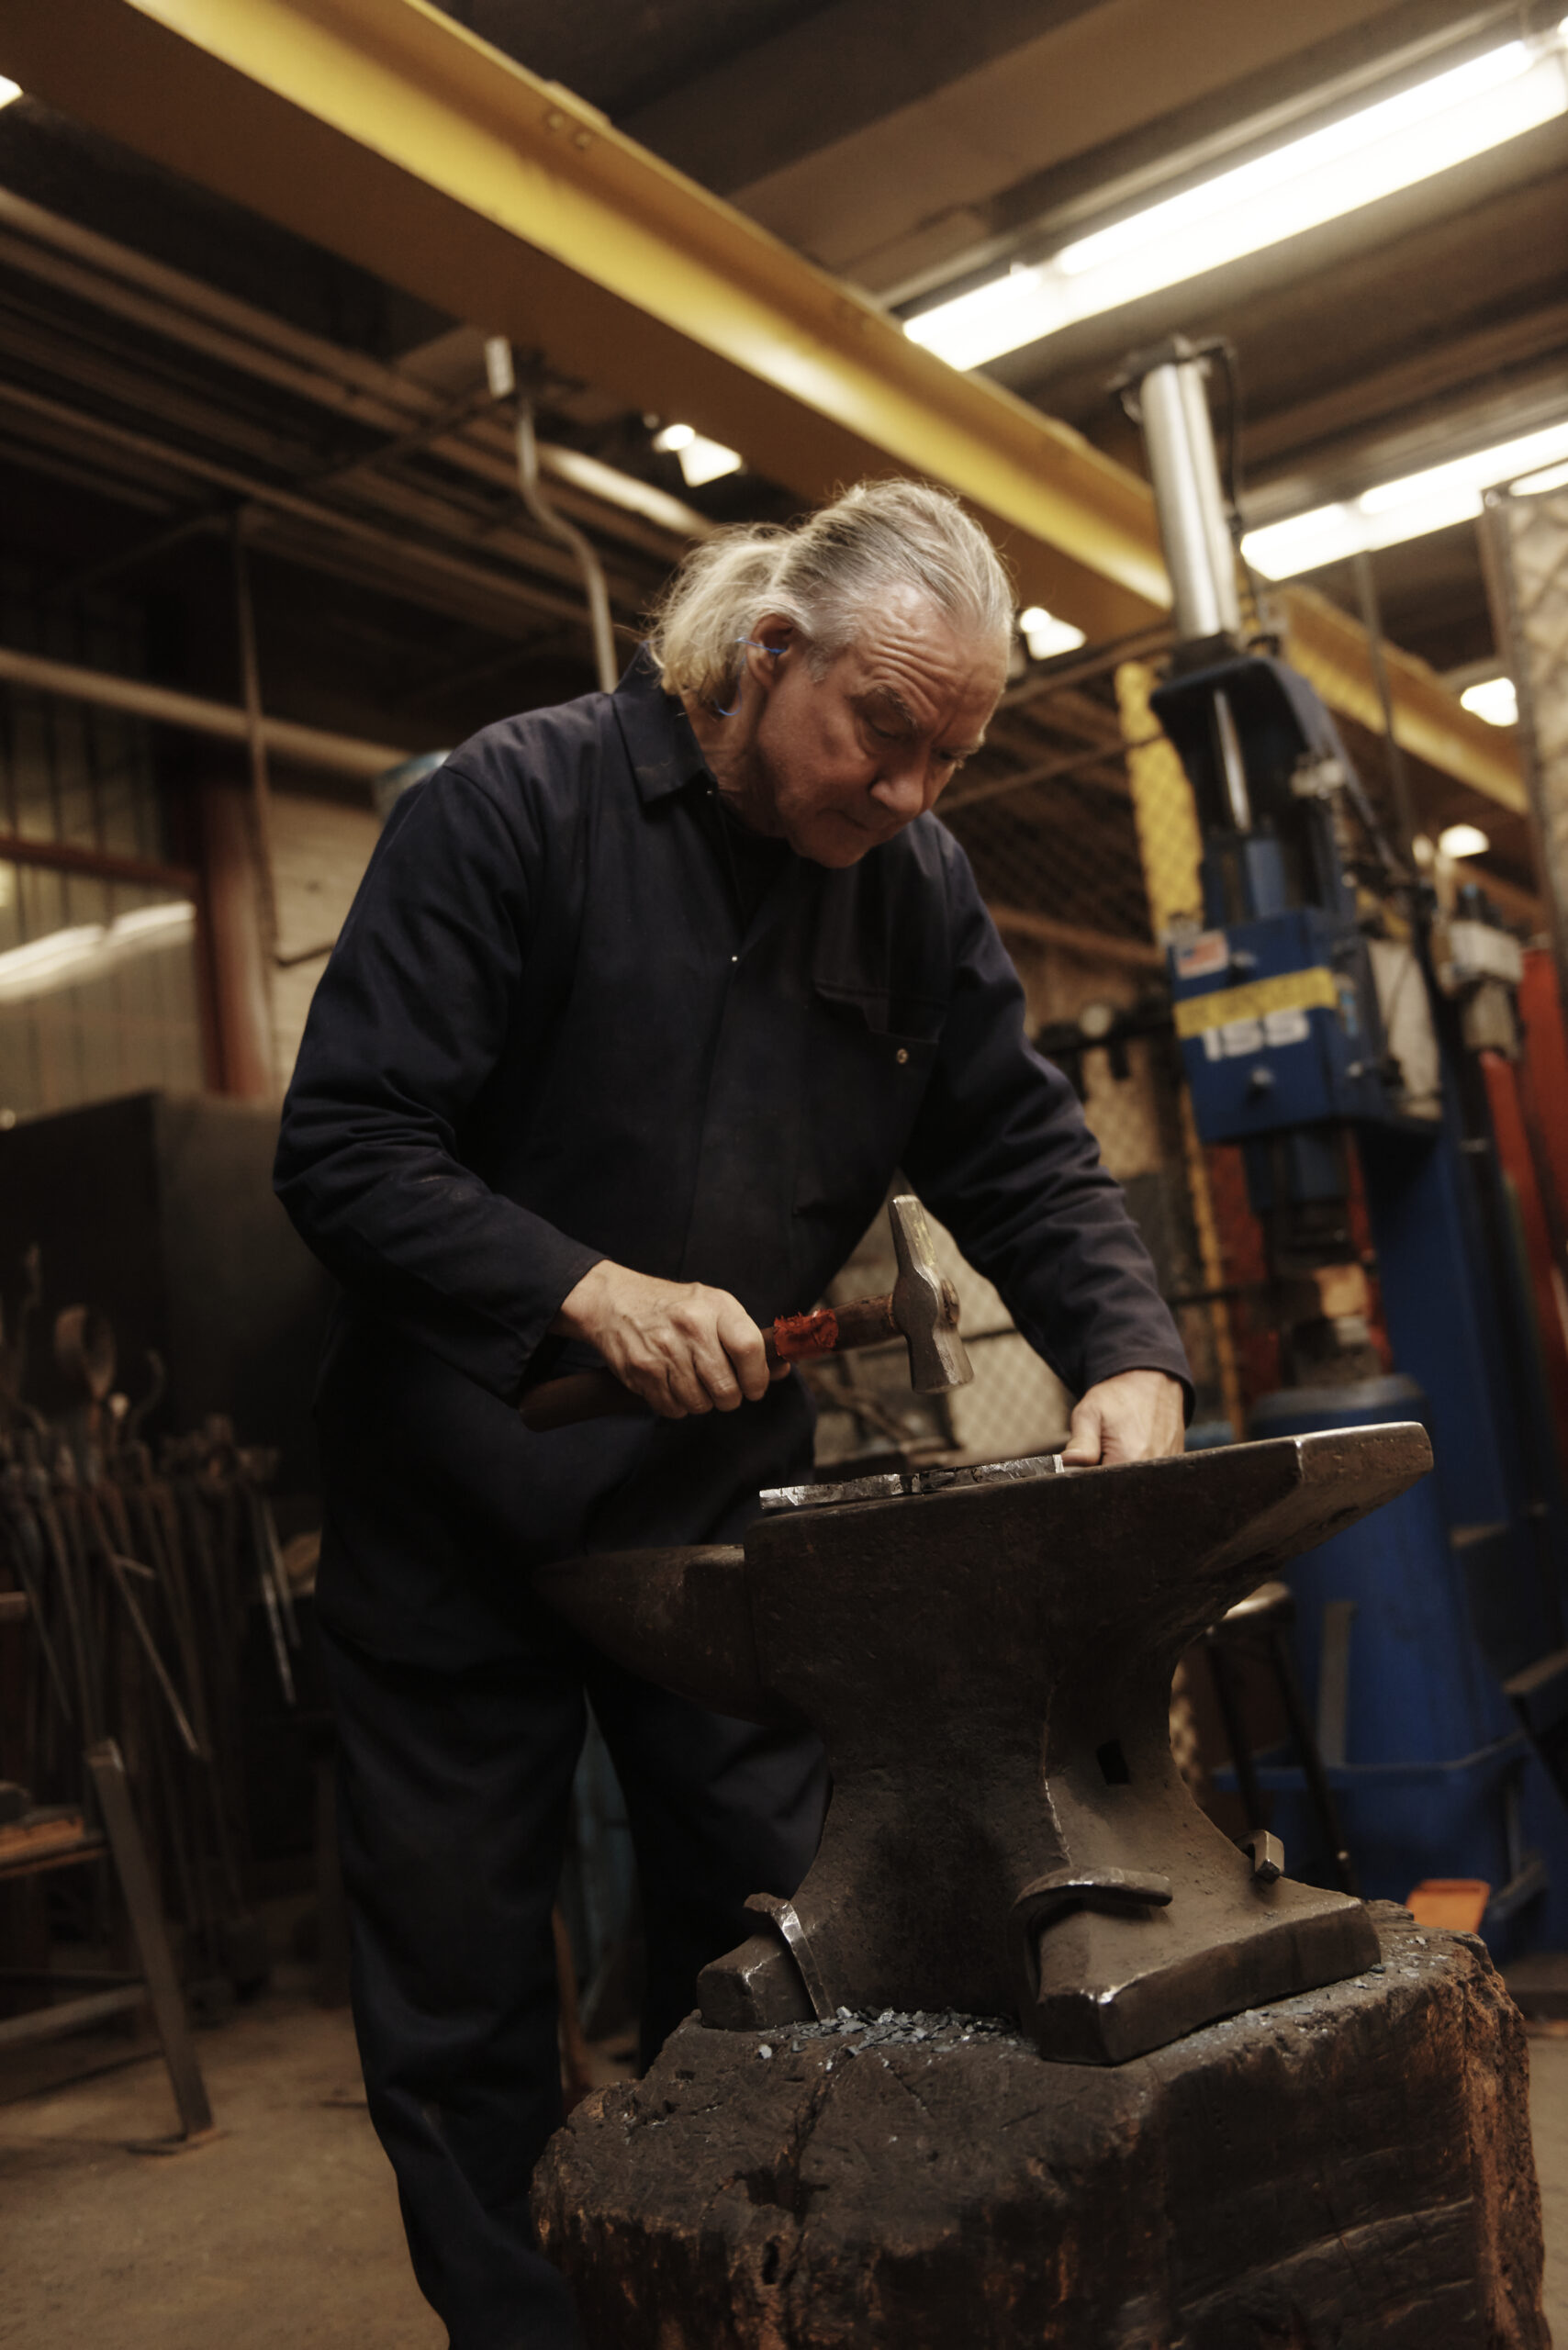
column 387, row 133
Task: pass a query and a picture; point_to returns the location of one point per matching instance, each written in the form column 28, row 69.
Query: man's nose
column 901, row 787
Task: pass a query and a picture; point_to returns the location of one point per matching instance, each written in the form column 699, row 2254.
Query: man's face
column 842, row 762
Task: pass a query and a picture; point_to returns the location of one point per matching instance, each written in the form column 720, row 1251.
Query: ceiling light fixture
column 1046, row 635
column 701, row 460
column 1493, row 699
column 1367, row 156
column 8, row 90
column 1397, row 510
column 1462, row 840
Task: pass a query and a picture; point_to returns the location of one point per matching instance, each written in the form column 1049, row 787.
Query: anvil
column 988, row 1655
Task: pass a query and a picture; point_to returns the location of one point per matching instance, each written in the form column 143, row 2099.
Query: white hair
column 823, row 575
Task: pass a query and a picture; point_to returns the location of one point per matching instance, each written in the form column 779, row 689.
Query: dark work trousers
column 453, row 1788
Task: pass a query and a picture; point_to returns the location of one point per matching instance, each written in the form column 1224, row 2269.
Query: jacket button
column 902, row 1056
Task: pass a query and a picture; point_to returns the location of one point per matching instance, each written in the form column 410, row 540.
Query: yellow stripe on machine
column 1287, row 991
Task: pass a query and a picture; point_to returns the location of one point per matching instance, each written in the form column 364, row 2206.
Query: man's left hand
column 1137, row 1415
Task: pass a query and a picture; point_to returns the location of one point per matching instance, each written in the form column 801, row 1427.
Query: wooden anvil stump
column 1347, row 2167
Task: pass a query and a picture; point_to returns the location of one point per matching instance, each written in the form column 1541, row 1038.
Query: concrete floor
column 283, row 2233
column 1549, row 2122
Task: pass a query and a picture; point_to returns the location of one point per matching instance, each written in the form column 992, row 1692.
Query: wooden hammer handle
column 832, row 1330
column 579, row 1395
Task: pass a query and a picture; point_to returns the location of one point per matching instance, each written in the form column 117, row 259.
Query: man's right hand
column 681, row 1347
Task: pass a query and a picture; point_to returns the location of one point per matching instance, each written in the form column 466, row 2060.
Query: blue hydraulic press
column 1431, row 1640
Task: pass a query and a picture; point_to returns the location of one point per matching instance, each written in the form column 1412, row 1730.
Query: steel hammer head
column 925, row 1306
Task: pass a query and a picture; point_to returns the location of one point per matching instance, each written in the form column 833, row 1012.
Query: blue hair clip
column 755, row 641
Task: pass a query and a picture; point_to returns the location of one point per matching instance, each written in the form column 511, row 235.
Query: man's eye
column 884, row 733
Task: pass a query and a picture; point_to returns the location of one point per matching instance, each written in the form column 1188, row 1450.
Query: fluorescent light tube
column 1383, row 148
column 1397, row 510
column 68, row 959
column 40, row 965
column 8, row 90
column 156, row 926
column 1536, row 485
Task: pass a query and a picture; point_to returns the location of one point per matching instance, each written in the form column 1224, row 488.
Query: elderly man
column 642, row 1002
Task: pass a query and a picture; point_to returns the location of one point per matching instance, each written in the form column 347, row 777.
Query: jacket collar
column 664, row 753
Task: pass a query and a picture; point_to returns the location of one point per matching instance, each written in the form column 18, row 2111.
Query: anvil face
column 989, row 1669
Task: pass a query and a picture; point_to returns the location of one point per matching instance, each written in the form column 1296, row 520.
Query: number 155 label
column 1239, row 1037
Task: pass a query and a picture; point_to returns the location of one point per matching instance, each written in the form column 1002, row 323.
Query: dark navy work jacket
column 546, row 1037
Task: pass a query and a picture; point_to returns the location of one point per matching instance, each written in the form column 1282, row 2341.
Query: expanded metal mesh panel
column 1069, row 851
column 1528, row 542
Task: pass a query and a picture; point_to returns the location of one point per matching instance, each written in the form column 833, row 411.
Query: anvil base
column 1349, row 2166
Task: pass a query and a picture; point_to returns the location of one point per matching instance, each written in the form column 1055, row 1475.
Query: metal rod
column 1093, row 945
column 106, row 1770
column 66, row 2016
column 346, row 383
column 255, row 734
column 1236, row 1738
column 269, row 1555
column 37, row 1486
column 144, row 551
column 1049, row 771
column 1232, row 766
column 309, row 745
column 1312, row 1765
column 1399, row 773
column 24, row 1557
column 149, row 1647
column 588, row 564
column 1191, row 510
column 390, row 546
column 1080, row 668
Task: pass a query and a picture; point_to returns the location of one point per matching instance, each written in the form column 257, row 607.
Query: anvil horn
column 680, row 1617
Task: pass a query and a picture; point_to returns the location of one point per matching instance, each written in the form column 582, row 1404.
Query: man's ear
column 770, row 641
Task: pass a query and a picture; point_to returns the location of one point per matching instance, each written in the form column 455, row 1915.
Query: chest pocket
column 869, row 1057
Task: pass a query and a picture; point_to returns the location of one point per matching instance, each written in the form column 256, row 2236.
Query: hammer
column 921, row 1308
